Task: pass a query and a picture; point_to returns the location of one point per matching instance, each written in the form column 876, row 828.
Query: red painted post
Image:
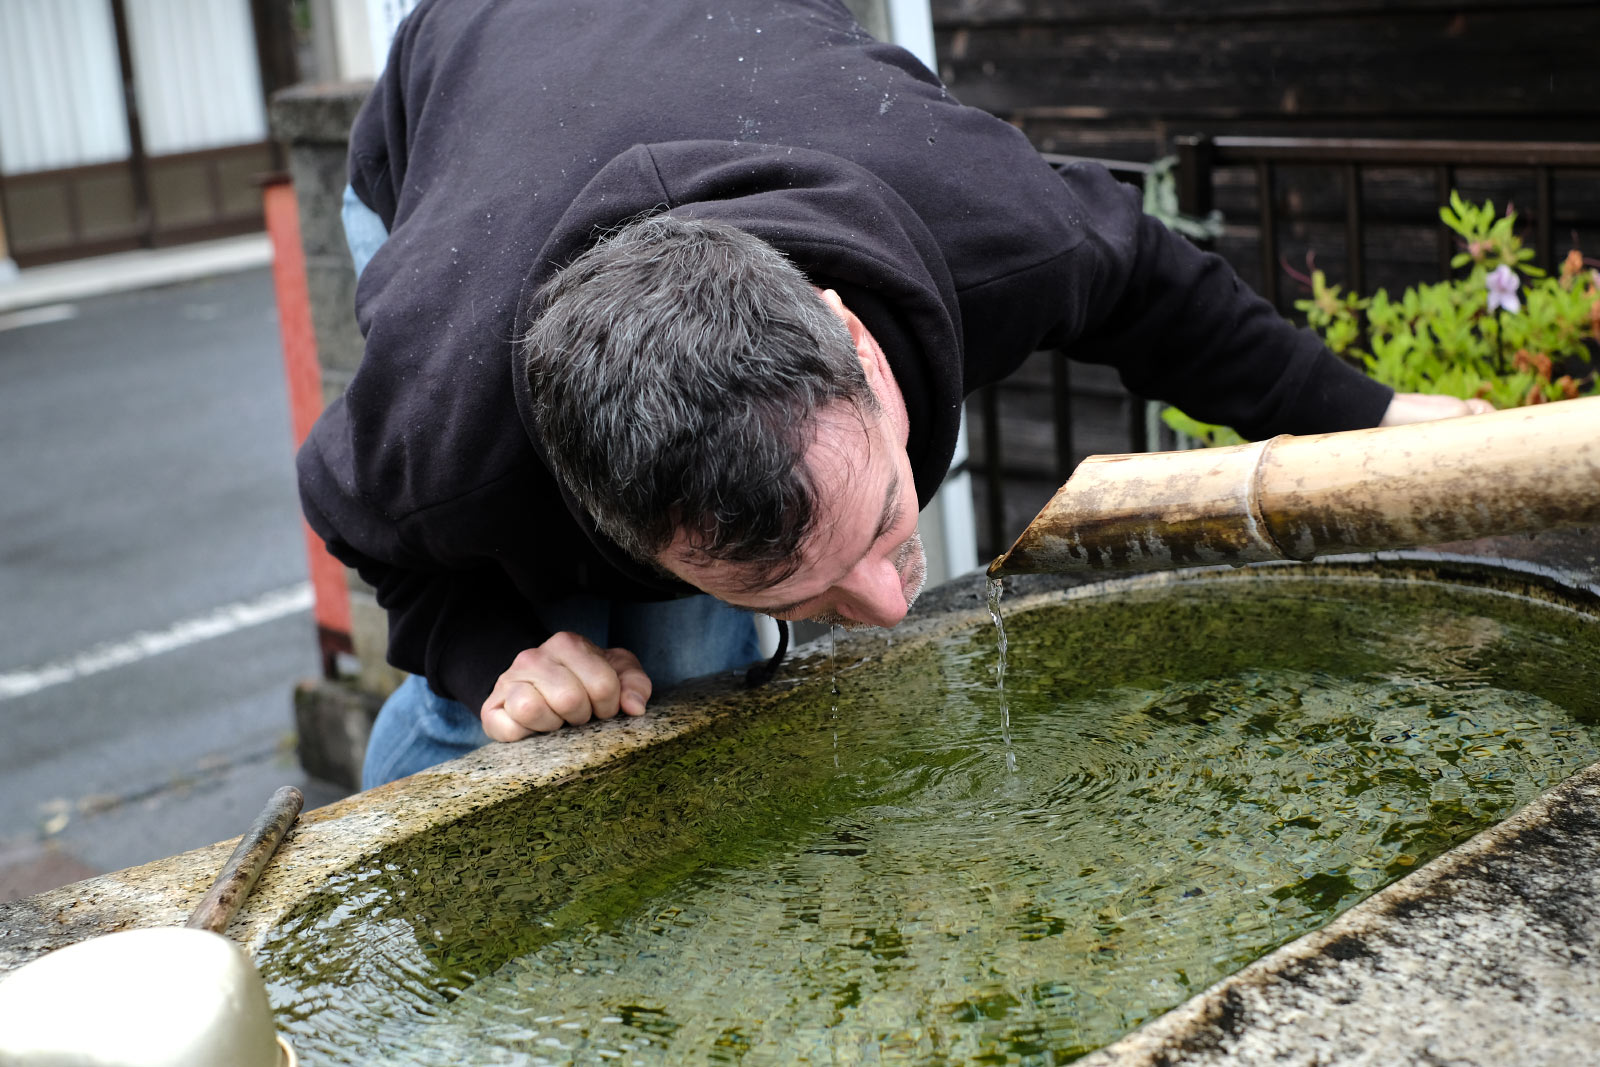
column 330, row 590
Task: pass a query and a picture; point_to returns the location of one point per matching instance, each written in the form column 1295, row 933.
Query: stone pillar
column 333, row 716
column 313, row 122
column 8, row 266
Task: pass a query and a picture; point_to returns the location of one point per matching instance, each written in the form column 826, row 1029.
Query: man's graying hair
column 674, row 370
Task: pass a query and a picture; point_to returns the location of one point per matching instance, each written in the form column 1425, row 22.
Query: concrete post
column 313, row 121
column 333, row 717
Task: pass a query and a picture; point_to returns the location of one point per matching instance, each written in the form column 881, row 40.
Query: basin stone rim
column 344, row 833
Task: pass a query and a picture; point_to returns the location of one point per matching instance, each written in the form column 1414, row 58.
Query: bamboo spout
column 1516, row 471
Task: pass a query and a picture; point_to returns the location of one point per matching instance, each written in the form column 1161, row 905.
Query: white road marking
column 146, row 643
column 15, row 320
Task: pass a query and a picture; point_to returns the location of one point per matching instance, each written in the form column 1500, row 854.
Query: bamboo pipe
column 1521, row 470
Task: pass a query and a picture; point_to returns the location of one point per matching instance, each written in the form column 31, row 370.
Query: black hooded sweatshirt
column 504, row 135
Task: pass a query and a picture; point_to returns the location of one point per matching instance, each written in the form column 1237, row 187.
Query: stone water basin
column 1207, row 766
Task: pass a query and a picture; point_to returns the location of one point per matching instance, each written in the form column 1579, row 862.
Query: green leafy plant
column 1505, row 330
column 1161, row 202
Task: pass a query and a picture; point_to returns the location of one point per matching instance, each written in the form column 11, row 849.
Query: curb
column 58, row 283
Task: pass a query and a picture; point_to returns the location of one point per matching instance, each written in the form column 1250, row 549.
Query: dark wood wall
column 1119, row 77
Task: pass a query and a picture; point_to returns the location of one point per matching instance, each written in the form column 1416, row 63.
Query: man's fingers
column 635, row 684
column 551, row 696
column 567, row 680
column 1424, row 407
column 599, row 686
column 500, row 726
column 591, row 667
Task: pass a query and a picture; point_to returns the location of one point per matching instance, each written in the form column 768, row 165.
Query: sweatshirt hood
column 842, row 227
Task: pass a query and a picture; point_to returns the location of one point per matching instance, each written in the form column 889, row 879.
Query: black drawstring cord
column 763, row 672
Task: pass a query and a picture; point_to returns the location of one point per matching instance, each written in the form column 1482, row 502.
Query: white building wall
column 60, row 86
column 196, row 74
column 383, row 18
column 353, row 36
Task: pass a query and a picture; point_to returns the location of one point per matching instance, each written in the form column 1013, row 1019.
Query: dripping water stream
column 996, row 587
column 833, row 688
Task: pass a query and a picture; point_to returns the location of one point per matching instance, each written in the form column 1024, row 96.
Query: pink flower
column 1502, row 283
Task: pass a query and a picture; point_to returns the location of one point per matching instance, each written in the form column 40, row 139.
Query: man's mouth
column 911, row 564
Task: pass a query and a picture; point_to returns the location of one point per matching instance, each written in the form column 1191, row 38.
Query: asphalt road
column 153, row 607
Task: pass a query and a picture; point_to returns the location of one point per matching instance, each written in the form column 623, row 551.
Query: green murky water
column 1203, row 772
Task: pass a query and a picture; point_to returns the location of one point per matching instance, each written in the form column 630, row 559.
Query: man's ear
column 875, row 364
column 867, row 351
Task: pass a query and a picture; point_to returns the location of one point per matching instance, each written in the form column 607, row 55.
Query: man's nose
column 874, row 594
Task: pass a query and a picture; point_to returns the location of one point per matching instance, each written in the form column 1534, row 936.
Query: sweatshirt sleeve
column 453, row 619
column 1180, row 326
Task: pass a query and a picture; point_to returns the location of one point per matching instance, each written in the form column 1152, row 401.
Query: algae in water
column 1206, row 771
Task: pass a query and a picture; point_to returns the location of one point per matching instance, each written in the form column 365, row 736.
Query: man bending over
column 670, row 313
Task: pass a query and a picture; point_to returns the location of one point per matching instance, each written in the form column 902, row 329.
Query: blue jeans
column 675, row 640
column 364, row 232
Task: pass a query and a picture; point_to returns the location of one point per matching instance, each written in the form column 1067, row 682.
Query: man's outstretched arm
column 1180, row 326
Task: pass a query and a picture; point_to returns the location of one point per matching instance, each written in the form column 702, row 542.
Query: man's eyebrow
column 781, row 609
column 887, row 518
column 891, row 510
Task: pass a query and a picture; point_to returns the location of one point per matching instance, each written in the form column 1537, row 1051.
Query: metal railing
column 1200, row 156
